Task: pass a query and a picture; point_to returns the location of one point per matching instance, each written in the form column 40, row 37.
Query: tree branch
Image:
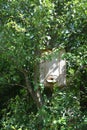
column 34, row 94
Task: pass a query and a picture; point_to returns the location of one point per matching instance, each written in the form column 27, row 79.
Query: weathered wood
column 53, row 71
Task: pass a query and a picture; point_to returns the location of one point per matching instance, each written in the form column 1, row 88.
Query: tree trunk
column 36, row 96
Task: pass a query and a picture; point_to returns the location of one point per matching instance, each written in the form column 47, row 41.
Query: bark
column 36, row 96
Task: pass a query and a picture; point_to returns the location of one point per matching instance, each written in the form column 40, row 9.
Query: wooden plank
column 53, row 71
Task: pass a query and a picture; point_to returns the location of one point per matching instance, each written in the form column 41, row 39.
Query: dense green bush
column 27, row 28
column 60, row 112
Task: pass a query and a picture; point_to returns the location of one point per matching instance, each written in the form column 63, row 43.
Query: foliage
column 56, row 115
column 18, row 116
column 27, row 28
